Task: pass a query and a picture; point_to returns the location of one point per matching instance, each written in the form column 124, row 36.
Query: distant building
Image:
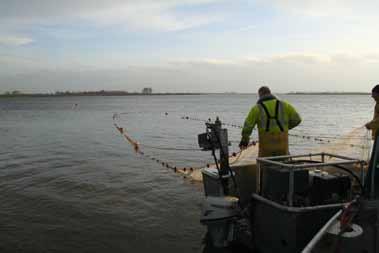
column 16, row 92
column 147, row 90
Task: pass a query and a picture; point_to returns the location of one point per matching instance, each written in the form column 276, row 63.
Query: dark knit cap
column 264, row 90
column 375, row 89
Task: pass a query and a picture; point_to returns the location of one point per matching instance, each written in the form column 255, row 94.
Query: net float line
column 186, row 171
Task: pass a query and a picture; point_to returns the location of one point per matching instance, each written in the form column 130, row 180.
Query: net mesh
column 355, row 144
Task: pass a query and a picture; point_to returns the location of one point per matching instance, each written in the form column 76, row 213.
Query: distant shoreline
column 117, row 93
column 328, row 93
column 95, row 95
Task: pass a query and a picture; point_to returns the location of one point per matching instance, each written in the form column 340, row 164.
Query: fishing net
column 355, row 144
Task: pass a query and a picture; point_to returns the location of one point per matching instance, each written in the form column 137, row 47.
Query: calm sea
column 70, row 183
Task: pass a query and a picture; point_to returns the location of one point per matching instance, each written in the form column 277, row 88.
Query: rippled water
column 70, row 183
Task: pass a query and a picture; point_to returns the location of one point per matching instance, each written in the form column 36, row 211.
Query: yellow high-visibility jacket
column 374, row 123
column 274, row 118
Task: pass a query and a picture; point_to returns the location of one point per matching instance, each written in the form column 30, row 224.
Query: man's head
column 264, row 91
column 375, row 92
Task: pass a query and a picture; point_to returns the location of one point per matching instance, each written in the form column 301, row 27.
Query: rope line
column 138, row 150
column 170, row 165
column 169, row 148
column 188, row 170
column 321, row 139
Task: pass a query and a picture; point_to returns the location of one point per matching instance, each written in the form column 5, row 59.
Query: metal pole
column 374, row 164
column 258, row 179
column 362, row 173
column 320, row 233
column 291, row 186
column 224, row 149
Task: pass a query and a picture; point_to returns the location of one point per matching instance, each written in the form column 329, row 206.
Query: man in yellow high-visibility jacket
column 274, row 118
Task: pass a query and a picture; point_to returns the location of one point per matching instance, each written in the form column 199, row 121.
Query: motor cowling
column 219, row 215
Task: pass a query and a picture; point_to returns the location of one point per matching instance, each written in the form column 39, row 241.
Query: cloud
column 284, row 73
column 135, row 14
column 373, row 57
column 323, row 8
column 289, row 58
column 246, row 28
column 200, row 62
column 148, row 17
column 302, row 58
column 15, row 40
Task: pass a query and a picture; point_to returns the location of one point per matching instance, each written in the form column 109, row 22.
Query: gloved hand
column 243, row 144
column 136, row 147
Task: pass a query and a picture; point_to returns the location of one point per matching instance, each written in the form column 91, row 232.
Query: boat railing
column 314, row 161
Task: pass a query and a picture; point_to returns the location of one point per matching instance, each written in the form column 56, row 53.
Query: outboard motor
column 220, row 209
column 219, row 214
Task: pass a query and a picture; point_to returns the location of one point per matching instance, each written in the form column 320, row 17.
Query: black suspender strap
column 277, row 116
column 269, row 117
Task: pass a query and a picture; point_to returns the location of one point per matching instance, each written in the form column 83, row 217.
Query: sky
column 189, row 45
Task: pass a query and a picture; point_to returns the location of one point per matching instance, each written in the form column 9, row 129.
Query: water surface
column 70, row 183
